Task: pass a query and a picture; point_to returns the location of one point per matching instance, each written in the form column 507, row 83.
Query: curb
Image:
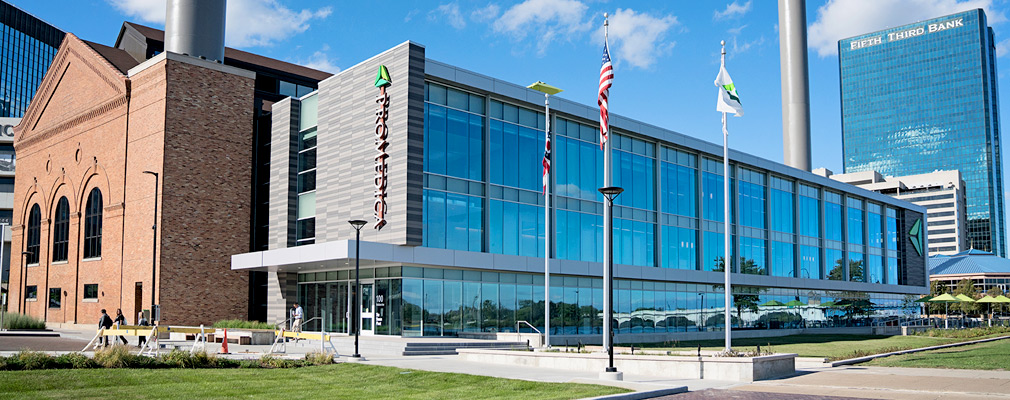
column 30, row 333
column 859, row 360
column 646, row 394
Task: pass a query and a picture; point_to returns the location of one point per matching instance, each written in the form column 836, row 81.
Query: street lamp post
column 154, row 245
column 611, row 193
column 357, row 224
column 24, row 281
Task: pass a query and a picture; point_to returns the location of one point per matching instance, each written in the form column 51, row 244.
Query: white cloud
column 410, row 15
column 638, row 38
column 737, row 30
column 249, row 22
column 485, row 14
column 450, row 13
column 733, row 10
column 320, row 60
column 1002, row 47
column 546, row 19
column 839, row 19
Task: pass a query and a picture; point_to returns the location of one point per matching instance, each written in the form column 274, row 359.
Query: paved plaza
column 812, row 381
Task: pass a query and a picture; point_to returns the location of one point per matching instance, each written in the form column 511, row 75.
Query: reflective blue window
column 752, row 199
column 781, row 205
column 855, row 221
column 580, row 236
column 712, row 191
column 835, row 262
column 892, row 229
column 635, row 173
column 634, row 242
column 515, row 228
column 875, row 269
column 782, row 260
column 857, row 267
column 810, row 262
column 579, row 160
column 832, row 216
column 452, row 221
column 453, row 142
column 714, row 251
column 752, row 256
column 809, row 211
column 516, row 156
column 679, row 248
column 892, row 271
column 874, row 225
column 679, row 189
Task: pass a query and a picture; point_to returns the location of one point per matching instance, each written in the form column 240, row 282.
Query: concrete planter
column 740, row 369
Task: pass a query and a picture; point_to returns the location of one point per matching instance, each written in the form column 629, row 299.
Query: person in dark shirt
column 104, row 322
column 120, row 321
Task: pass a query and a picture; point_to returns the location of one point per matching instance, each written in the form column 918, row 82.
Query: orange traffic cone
column 224, row 343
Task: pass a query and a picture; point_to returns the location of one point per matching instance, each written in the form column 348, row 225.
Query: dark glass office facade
column 27, row 47
column 923, row 97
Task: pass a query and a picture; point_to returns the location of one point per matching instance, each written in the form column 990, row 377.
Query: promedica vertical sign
column 381, row 143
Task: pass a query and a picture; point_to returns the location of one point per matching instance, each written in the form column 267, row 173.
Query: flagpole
column 608, row 228
column 725, row 220
column 547, row 227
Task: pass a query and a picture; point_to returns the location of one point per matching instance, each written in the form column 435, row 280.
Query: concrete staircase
column 421, row 348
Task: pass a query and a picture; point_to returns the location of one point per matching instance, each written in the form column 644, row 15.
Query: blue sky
column 666, row 54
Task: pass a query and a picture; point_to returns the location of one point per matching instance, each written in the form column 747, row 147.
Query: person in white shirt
column 296, row 318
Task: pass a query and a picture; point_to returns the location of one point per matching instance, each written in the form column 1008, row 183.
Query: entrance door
column 138, row 294
column 367, row 308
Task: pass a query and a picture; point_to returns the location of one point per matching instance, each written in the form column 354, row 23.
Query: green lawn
column 991, row 356
column 829, row 346
column 341, row 381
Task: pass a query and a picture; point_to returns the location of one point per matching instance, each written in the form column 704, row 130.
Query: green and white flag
column 729, row 100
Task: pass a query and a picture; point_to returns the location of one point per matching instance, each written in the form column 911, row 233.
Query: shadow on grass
column 763, row 341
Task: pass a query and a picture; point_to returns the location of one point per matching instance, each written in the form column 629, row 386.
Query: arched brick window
column 61, row 230
column 93, row 225
column 34, row 229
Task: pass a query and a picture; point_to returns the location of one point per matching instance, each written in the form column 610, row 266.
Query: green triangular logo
column 915, row 236
column 382, row 78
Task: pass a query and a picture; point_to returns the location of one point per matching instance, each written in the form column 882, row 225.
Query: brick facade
column 92, row 126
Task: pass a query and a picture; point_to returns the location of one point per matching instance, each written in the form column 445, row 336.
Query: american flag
column 547, row 161
column 606, row 79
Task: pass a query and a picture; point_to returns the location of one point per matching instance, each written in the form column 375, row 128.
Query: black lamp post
column 24, row 280
column 611, row 193
column 154, row 243
column 357, row 224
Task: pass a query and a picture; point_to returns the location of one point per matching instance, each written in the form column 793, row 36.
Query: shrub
column 118, row 356
column 30, row 360
column 9, row 363
column 75, row 361
column 965, row 333
column 241, row 324
column 21, row 321
column 317, row 358
column 268, row 361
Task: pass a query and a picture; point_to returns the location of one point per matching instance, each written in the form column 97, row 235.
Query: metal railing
column 528, row 324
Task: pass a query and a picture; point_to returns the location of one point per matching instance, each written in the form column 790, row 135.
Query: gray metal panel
column 283, row 196
column 346, row 161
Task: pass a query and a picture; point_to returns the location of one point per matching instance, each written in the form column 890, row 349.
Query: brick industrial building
column 105, row 119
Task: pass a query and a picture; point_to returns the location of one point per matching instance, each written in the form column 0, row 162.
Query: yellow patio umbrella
column 988, row 299
column 946, row 299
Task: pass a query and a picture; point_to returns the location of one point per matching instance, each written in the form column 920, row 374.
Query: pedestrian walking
column 120, row 321
column 142, row 322
column 104, row 322
column 296, row 318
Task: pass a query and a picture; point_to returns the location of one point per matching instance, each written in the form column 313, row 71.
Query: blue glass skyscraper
column 27, row 47
column 922, row 97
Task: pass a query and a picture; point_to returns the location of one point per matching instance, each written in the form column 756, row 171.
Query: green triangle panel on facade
column 915, row 236
column 382, row 78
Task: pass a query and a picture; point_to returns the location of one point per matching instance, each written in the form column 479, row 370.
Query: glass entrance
column 367, row 309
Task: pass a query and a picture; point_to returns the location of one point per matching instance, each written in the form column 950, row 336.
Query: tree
column 966, row 287
column 935, row 289
column 995, row 291
column 747, row 266
column 745, row 301
column 838, row 272
column 856, row 273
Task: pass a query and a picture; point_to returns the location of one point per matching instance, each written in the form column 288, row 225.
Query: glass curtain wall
column 679, row 194
column 578, row 174
column 516, row 212
column 305, row 225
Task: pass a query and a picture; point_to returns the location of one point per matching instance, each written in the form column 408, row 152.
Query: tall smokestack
column 195, row 28
column 795, row 91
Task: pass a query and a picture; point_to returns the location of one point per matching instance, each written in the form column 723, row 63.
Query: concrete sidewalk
column 891, row 383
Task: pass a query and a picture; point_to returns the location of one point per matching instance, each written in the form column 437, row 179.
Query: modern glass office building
column 27, row 47
column 923, row 97
column 448, row 162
